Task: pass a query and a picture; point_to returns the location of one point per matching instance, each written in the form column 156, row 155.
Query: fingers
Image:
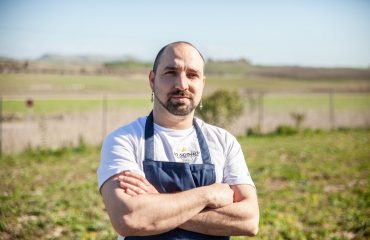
column 131, row 189
column 135, row 184
column 137, row 176
column 130, row 192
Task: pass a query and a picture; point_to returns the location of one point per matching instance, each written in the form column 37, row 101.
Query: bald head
column 160, row 53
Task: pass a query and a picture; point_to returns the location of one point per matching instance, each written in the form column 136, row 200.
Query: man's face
column 179, row 81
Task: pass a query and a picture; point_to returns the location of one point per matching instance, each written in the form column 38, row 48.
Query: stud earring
column 201, row 104
column 152, row 99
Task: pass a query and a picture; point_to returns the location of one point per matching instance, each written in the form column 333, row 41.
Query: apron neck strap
column 149, row 141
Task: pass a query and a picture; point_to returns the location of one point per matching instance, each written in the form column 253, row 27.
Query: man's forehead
column 182, row 54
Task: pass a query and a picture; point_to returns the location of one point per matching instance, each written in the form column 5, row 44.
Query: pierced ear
column 151, row 79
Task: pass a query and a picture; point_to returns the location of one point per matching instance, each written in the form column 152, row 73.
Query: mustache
column 185, row 93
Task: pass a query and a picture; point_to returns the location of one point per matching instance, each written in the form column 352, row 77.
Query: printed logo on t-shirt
column 185, row 155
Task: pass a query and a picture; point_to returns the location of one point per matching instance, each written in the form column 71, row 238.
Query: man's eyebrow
column 193, row 70
column 171, row 68
column 176, row 68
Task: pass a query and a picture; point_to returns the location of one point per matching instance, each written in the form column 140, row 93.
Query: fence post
column 104, row 116
column 260, row 110
column 1, row 126
column 331, row 109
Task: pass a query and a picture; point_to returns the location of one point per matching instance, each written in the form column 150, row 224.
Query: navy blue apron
column 170, row 177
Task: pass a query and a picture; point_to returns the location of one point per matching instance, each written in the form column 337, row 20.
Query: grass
column 310, row 186
column 238, row 83
column 60, row 106
column 317, row 101
column 356, row 102
column 34, row 84
column 31, row 84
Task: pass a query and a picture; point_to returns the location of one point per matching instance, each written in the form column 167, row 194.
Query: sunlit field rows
column 271, row 101
column 68, row 107
column 31, row 84
column 311, row 185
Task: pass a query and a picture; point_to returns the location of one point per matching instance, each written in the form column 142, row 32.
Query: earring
column 152, row 99
column 201, row 104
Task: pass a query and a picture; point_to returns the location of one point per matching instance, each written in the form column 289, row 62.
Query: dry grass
column 68, row 129
column 64, row 130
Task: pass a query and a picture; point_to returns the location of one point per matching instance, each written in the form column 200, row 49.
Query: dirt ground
column 68, row 129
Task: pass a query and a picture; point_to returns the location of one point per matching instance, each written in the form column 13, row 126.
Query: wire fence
column 55, row 122
column 308, row 103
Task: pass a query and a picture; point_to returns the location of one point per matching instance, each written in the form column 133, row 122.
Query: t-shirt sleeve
column 236, row 170
column 117, row 155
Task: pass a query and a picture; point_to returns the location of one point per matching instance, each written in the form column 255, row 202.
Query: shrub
column 285, row 130
column 256, row 131
column 298, row 119
column 221, row 108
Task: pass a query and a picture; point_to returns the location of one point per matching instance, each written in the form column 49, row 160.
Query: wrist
column 206, row 195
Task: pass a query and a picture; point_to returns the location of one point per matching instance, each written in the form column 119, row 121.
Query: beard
column 178, row 108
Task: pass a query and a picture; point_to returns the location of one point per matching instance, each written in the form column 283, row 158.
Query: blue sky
column 325, row 33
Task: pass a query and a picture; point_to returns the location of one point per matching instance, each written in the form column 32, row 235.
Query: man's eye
column 192, row 75
column 170, row 73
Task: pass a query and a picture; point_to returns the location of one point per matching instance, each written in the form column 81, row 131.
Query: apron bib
column 171, row 177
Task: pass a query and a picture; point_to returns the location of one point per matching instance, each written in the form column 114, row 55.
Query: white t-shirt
column 124, row 150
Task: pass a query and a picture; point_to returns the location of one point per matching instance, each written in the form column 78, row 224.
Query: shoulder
column 218, row 137
column 121, row 150
column 212, row 131
column 131, row 131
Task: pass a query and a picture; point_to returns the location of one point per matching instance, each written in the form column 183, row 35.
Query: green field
column 272, row 102
column 318, row 101
column 60, row 106
column 38, row 84
column 56, row 94
column 69, row 84
column 310, row 186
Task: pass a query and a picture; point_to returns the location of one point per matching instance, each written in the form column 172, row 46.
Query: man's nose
column 182, row 82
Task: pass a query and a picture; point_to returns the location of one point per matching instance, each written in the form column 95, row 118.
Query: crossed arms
column 135, row 208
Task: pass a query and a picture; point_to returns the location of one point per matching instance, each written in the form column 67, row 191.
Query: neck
column 165, row 119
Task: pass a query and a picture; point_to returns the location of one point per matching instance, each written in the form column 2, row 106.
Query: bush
column 298, row 119
column 285, row 130
column 256, row 131
column 221, row 108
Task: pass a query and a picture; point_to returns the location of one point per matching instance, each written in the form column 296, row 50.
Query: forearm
column 156, row 213
column 239, row 218
column 136, row 208
column 235, row 219
column 149, row 214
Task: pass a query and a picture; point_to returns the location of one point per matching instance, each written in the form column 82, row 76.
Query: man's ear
column 151, row 79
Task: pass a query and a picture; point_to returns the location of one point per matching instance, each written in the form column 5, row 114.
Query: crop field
column 40, row 84
column 68, row 107
column 59, row 122
column 60, row 106
column 342, row 101
column 310, row 186
column 69, row 84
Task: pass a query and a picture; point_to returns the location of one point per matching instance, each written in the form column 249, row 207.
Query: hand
column 220, row 195
column 135, row 184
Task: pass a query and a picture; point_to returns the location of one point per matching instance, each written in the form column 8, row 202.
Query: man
column 170, row 175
